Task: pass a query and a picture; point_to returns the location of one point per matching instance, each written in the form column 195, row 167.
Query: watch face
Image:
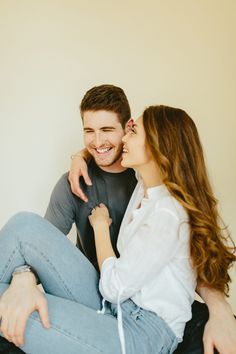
column 22, row 269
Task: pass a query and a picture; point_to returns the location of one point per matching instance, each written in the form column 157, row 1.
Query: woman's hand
column 17, row 303
column 79, row 168
column 100, row 221
column 100, row 216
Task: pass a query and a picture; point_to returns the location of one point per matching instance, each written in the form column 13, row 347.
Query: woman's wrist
column 101, row 226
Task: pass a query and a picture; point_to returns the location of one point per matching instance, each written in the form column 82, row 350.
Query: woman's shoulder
column 171, row 205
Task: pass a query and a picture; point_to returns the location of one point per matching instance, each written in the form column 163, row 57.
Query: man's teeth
column 101, row 151
column 125, row 150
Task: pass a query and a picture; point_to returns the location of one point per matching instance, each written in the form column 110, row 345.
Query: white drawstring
column 119, row 320
column 120, row 324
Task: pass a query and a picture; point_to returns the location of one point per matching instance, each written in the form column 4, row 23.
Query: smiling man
column 103, row 132
column 105, row 112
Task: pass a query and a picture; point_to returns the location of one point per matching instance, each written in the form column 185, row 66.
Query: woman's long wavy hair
column 174, row 142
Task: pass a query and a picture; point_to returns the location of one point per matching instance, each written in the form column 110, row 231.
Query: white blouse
column 154, row 268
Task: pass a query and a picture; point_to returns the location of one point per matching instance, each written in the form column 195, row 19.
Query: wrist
column 77, row 155
column 101, row 226
column 216, row 302
column 24, row 278
column 216, row 308
column 83, row 154
column 25, row 269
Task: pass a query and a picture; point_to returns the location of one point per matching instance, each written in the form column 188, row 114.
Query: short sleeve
column 60, row 211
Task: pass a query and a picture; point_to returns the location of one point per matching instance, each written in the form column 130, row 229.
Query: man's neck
column 113, row 168
column 116, row 167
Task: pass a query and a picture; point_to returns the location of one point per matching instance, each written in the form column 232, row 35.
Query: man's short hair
column 108, row 98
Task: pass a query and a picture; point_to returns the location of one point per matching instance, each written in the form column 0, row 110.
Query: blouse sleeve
column 151, row 248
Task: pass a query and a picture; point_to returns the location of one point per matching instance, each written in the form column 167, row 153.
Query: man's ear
column 129, row 125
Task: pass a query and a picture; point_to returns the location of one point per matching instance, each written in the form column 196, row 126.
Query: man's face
column 102, row 138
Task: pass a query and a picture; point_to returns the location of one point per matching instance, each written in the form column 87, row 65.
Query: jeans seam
column 70, row 335
column 40, row 253
column 9, row 262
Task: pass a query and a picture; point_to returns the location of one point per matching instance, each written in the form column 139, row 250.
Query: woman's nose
column 124, row 138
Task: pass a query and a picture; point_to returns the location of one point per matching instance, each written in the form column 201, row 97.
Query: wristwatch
column 24, row 269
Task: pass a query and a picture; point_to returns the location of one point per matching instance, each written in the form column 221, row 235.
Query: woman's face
column 135, row 150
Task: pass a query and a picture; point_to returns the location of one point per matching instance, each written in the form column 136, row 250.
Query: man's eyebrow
column 111, row 127
column 105, row 127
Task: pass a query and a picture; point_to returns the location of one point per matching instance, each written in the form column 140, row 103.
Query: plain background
column 175, row 52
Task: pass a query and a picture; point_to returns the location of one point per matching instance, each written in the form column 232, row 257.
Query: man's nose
column 98, row 141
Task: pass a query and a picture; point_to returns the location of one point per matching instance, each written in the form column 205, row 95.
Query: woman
column 170, row 236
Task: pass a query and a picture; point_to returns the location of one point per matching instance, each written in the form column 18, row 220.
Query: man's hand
column 78, row 168
column 220, row 331
column 17, row 303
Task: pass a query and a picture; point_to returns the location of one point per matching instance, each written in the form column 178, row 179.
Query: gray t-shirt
column 65, row 208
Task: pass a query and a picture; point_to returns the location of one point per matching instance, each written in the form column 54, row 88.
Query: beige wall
column 176, row 52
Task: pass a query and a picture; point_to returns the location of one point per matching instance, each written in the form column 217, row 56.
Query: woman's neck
column 151, row 176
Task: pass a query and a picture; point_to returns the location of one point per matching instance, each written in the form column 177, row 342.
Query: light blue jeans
column 71, row 285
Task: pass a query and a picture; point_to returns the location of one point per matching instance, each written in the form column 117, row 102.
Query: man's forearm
column 82, row 153
column 213, row 298
column 24, row 278
column 220, row 330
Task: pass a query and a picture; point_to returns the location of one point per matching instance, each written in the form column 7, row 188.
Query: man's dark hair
column 108, row 98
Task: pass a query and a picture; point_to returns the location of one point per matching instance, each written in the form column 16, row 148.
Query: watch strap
column 24, row 269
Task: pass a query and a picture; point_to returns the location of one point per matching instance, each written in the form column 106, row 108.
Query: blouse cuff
column 107, row 262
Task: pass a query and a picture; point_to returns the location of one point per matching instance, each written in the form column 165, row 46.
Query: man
column 105, row 113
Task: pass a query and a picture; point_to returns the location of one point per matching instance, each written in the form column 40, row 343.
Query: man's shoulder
column 63, row 180
column 64, row 177
column 62, row 188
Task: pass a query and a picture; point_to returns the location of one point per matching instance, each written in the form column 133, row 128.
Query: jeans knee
column 19, row 227
column 23, row 223
column 24, row 218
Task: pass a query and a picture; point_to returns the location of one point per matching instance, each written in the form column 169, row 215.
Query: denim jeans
column 71, row 287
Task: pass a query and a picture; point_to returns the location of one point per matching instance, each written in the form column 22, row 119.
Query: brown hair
column 174, row 142
column 109, row 98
